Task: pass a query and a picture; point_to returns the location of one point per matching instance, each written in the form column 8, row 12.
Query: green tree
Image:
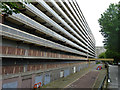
column 110, row 29
column 11, row 7
column 102, row 55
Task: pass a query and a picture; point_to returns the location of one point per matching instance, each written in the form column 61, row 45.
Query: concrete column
column 33, row 80
column 19, row 81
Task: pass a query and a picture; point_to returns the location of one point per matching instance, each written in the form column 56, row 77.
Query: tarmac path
column 86, row 81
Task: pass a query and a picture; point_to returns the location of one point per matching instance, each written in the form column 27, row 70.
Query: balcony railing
column 47, row 7
column 20, row 35
column 33, row 24
column 37, row 12
column 70, row 7
column 74, row 20
column 85, row 28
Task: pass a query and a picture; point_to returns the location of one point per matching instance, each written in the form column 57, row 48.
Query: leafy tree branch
column 110, row 29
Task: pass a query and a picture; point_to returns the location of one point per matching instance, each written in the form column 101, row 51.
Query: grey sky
column 92, row 10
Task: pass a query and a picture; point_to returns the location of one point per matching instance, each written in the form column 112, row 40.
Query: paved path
column 86, row 81
column 113, row 74
column 87, row 75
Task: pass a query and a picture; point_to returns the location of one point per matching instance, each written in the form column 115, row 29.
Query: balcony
column 60, row 3
column 59, row 19
column 39, row 14
column 33, row 24
column 63, row 15
column 81, row 24
column 29, row 38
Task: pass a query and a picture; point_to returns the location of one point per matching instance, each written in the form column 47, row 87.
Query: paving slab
column 113, row 74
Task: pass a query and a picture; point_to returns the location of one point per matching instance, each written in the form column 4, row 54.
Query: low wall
column 29, row 78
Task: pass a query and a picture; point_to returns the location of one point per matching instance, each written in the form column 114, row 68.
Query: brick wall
column 36, row 53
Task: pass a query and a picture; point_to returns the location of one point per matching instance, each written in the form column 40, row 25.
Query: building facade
column 45, row 30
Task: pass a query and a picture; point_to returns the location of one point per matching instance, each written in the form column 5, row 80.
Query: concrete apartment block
column 44, row 42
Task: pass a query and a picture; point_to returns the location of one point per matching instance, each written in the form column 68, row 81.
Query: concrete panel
column 10, row 85
column 47, row 78
column 78, row 68
column 39, row 79
column 27, row 83
column 66, row 72
column 54, row 75
column 11, row 43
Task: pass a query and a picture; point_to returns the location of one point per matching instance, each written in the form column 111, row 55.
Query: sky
column 92, row 10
